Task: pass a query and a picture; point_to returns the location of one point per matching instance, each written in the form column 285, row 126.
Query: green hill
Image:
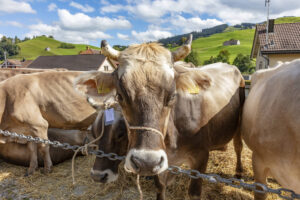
column 211, row 46
column 31, row 49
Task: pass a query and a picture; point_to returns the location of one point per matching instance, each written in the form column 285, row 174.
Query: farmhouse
column 231, row 42
column 283, row 44
column 74, row 62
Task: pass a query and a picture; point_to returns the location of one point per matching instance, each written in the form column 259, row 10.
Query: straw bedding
column 58, row 184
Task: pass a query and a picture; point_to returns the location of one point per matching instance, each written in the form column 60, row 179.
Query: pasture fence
column 194, row 174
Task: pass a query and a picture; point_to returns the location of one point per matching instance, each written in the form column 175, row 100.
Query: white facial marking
column 148, row 155
column 111, row 176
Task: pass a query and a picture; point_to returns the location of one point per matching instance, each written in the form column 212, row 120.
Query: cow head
column 113, row 140
column 144, row 85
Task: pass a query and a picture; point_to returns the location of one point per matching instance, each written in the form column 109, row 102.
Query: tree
column 7, row 45
column 210, row 60
column 244, row 63
column 64, row 45
column 223, row 56
column 50, row 36
column 183, row 39
column 193, row 57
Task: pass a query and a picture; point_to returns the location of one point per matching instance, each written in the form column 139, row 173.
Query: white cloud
column 80, row 21
column 1, row 35
column 123, row 36
column 108, row 8
column 12, row 6
column 66, row 35
column 83, row 8
column 150, row 35
column 15, row 23
column 52, row 7
column 186, row 25
column 79, row 27
column 228, row 11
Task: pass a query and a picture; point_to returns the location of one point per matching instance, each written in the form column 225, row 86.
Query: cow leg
column 260, row 175
column 238, row 147
column 45, row 152
column 32, row 147
column 200, row 165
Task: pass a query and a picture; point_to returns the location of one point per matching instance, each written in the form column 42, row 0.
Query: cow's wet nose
column 146, row 162
column 100, row 177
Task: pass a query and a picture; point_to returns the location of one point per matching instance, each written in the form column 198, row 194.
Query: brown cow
column 199, row 107
column 6, row 73
column 18, row 153
column 271, row 125
column 31, row 103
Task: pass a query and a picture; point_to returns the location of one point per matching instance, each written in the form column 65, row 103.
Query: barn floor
column 58, row 184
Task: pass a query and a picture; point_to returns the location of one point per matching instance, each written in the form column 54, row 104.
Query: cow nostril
column 103, row 177
column 135, row 163
column 161, row 161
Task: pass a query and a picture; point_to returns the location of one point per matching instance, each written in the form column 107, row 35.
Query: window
column 105, row 68
column 260, row 66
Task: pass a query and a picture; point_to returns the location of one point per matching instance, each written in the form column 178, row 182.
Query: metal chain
column 194, row 174
column 57, row 144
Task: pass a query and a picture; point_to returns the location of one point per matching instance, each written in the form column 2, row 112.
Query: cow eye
column 119, row 97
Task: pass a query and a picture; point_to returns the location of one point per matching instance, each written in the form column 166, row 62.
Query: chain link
column 194, row 174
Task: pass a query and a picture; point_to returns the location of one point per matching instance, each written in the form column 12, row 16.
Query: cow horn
column 108, row 51
column 183, row 51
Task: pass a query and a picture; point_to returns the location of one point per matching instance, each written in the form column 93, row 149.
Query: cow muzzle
column 146, row 162
column 106, row 176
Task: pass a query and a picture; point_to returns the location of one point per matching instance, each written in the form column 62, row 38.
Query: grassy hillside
column 282, row 20
column 31, row 49
column 211, row 46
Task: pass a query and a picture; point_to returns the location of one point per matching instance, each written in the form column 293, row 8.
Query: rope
column 139, row 186
column 84, row 149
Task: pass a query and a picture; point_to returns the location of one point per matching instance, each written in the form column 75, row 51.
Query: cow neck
column 154, row 130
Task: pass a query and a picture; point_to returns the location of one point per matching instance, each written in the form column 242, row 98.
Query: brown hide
column 271, row 125
column 30, row 103
column 6, row 73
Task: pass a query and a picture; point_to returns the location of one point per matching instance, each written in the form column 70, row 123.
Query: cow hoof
column 47, row 170
column 195, row 197
column 29, row 172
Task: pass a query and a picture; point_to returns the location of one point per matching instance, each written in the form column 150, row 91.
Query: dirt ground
column 58, row 184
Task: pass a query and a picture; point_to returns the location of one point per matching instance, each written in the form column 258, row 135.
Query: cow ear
column 192, row 81
column 95, row 84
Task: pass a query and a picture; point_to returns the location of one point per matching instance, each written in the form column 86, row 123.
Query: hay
column 58, row 185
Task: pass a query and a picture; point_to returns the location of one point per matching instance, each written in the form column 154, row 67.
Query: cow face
column 114, row 140
column 144, row 85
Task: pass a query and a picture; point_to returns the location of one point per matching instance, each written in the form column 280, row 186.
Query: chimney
column 87, row 47
column 271, row 25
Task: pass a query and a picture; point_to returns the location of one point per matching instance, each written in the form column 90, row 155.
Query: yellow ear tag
column 102, row 89
column 194, row 90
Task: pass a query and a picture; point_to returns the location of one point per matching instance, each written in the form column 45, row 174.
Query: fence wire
column 194, row 174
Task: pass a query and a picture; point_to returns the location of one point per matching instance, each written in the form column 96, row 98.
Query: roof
column 26, row 63
column 284, row 39
column 70, row 62
column 14, row 62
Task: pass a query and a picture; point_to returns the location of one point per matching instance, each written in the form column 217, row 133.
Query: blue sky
column 129, row 21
